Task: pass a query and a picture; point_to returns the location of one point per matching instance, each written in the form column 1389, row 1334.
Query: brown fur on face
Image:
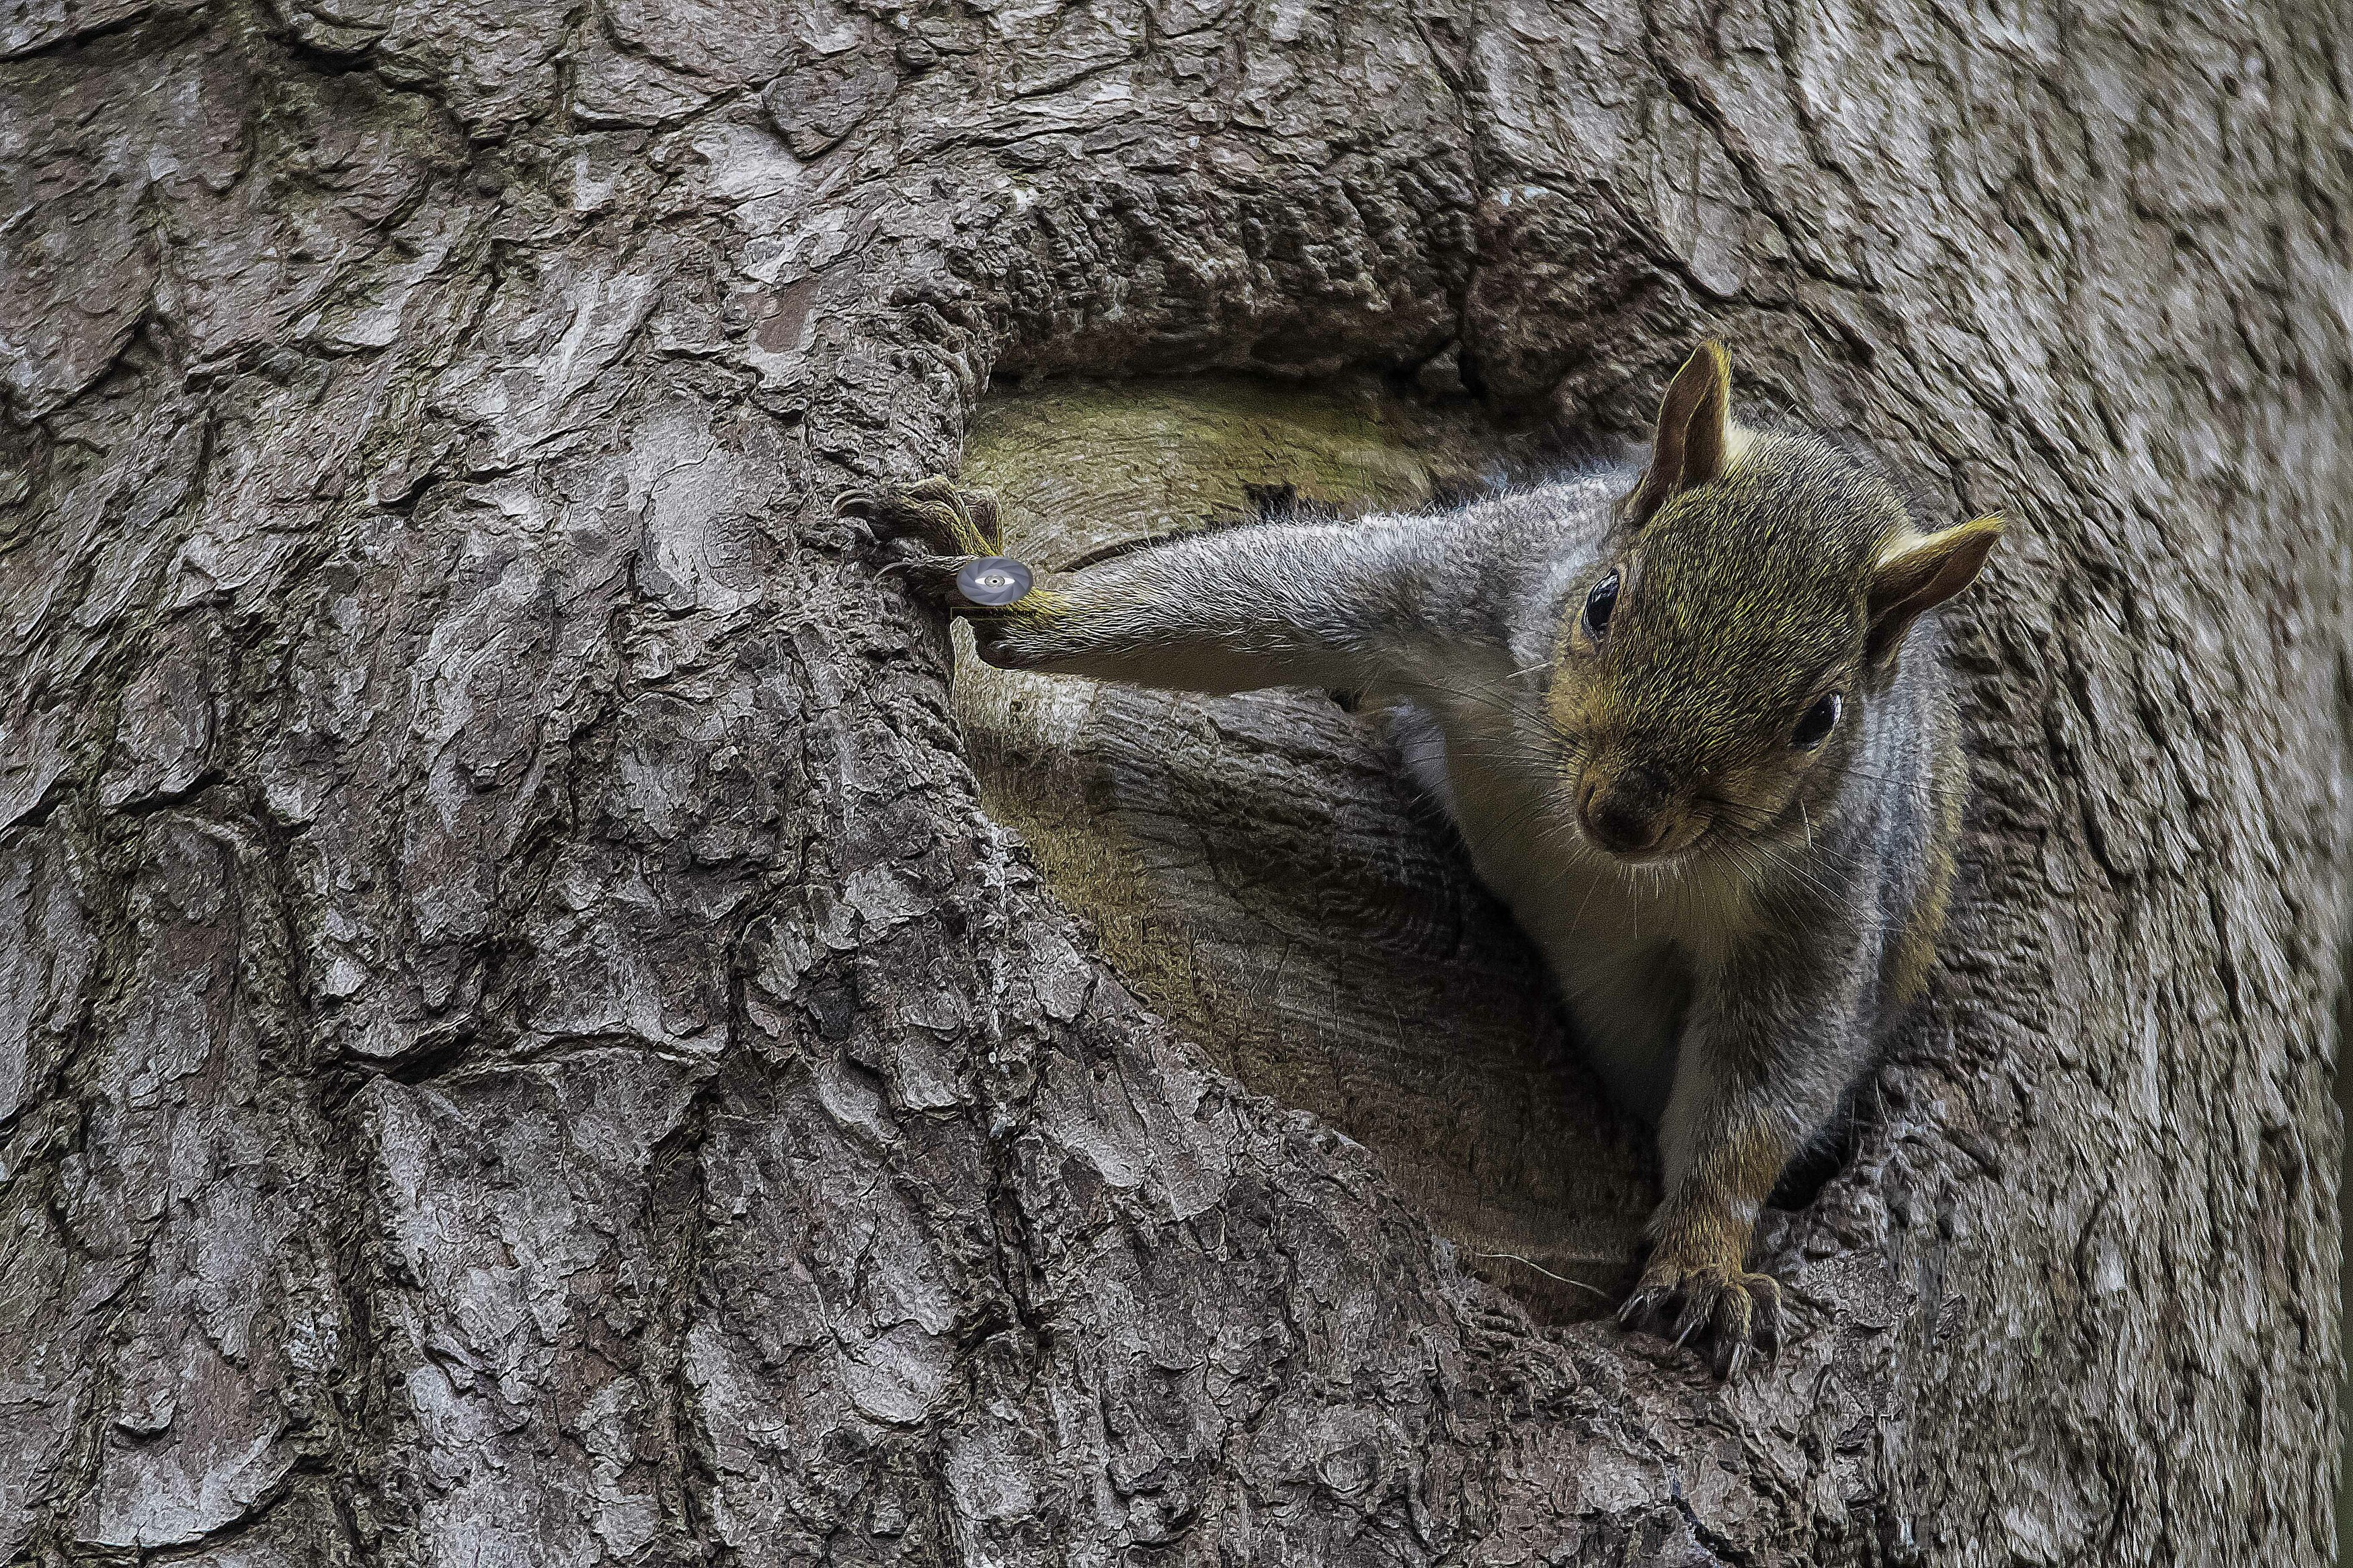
column 1758, row 573
column 1741, row 603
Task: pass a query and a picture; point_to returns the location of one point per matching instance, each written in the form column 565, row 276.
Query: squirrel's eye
column 1598, row 606
column 1819, row 720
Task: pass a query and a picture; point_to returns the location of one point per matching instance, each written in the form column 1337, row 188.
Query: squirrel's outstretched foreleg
column 1225, row 610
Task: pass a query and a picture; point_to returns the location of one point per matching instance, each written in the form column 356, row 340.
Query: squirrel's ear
column 1917, row 572
column 1693, row 442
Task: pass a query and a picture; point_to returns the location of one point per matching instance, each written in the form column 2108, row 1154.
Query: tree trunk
column 519, row 1043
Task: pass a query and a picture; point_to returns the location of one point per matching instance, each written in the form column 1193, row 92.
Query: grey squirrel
column 1690, row 722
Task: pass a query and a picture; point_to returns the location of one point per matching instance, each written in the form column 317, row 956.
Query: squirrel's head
column 1714, row 668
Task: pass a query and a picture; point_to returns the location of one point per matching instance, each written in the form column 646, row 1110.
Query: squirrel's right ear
column 1917, row 572
column 1694, row 439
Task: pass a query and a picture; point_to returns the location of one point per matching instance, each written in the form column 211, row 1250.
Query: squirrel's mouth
column 1635, row 813
column 1667, row 842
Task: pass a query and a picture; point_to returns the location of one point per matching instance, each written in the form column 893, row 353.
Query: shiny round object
column 993, row 580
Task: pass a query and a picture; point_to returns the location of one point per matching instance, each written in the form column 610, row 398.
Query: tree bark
column 519, row 1042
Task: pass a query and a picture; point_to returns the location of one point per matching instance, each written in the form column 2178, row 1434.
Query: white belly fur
column 1622, row 942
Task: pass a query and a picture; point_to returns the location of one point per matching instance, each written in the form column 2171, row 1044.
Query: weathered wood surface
column 519, row 1043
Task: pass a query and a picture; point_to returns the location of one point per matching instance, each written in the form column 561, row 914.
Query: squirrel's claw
column 933, row 529
column 934, row 512
column 1729, row 1313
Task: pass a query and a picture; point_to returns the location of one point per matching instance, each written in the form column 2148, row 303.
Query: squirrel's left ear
column 1917, row 572
column 1694, row 439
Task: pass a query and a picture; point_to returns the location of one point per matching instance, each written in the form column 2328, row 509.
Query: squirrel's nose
column 1622, row 815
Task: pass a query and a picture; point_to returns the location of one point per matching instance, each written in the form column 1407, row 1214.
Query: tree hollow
column 1257, row 867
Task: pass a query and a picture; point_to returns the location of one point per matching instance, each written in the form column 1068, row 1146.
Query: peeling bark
column 519, row 1042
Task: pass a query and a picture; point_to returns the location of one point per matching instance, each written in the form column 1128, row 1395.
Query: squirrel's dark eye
column 1819, row 720
column 1598, row 606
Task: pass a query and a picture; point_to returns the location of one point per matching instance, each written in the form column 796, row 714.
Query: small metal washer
column 993, row 580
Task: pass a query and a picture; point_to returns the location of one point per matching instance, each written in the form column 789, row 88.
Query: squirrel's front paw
column 936, row 513
column 939, row 527
column 1727, row 1312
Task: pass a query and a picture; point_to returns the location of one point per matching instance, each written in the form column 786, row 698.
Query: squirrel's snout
column 1627, row 813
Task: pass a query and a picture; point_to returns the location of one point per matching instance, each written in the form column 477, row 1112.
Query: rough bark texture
column 519, row 1043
